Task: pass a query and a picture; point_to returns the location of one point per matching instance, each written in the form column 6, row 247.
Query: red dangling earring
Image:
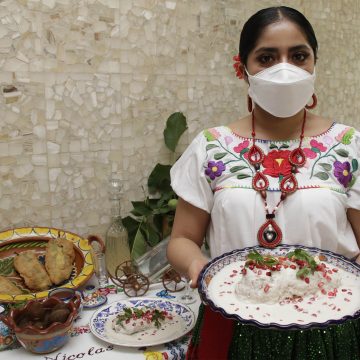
column 249, row 104
column 313, row 105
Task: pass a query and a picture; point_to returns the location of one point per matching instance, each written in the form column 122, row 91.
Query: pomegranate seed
column 243, row 271
column 266, row 288
column 320, row 284
column 307, row 280
column 323, row 291
column 335, row 270
column 293, row 267
column 268, row 273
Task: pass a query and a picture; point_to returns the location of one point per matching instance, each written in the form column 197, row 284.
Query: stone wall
column 86, row 87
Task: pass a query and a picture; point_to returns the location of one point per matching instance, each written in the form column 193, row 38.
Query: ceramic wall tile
column 86, row 87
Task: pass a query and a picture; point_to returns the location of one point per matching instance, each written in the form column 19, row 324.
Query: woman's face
column 282, row 41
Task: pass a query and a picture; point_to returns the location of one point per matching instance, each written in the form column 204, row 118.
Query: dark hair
column 254, row 27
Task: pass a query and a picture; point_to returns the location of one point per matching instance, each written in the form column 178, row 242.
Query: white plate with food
column 288, row 287
column 142, row 322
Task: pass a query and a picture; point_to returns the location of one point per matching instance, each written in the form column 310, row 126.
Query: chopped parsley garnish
column 260, row 259
column 147, row 314
column 309, row 265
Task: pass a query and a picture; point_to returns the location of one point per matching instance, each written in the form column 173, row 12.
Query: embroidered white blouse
column 214, row 174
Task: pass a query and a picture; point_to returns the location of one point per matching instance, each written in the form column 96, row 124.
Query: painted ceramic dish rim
column 141, row 301
column 221, row 261
column 82, row 245
column 97, row 301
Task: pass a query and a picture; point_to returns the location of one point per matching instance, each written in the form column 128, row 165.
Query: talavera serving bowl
column 42, row 340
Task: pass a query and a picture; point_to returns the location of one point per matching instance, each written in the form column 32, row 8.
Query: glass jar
column 117, row 248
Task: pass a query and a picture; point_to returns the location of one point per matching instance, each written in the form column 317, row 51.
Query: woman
column 279, row 175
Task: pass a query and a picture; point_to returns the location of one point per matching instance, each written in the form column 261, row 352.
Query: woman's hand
column 194, row 270
column 187, row 236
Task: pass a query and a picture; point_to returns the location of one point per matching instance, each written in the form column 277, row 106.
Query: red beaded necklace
column 270, row 234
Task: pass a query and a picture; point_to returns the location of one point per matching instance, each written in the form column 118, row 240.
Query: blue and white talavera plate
column 219, row 278
column 183, row 321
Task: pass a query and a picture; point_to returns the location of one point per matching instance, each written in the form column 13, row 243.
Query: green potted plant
column 151, row 219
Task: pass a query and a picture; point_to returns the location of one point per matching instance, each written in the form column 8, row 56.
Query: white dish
column 219, row 278
column 183, row 321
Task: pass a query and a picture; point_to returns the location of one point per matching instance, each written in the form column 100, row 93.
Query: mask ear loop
column 249, row 100
column 313, row 105
column 249, row 104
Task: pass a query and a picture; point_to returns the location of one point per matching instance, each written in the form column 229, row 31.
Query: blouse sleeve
column 354, row 192
column 188, row 176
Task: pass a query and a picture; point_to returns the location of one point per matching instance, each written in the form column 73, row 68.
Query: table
column 84, row 345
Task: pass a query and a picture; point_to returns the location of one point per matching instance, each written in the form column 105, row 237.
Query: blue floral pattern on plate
column 184, row 316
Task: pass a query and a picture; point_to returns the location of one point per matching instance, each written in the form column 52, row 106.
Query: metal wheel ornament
column 172, row 281
column 136, row 285
column 122, row 272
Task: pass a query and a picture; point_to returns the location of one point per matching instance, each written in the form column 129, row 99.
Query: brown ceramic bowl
column 48, row 339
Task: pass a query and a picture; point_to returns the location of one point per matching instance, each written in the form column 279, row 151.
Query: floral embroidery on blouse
column 327, row 157
column 276, row 163
column 342, row 172
column 214, row 169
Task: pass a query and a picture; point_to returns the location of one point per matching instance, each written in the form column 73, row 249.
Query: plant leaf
column 237, row 168
column 132, row 226
column 219, row 156
column 284, row 146
column 273, row 146
column 354, row 164
column 139, row 246
column 159, row 179
column 342, row 152
column 352, row 182
column 140, row 208
column 322, row 175
column 243, row 176
column 175, row 127
column 211, row 146
column 326, row 166
column 165, row 197
column 152, row 236
column 158, row 222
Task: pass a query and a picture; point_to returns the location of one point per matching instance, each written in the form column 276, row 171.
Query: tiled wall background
column 86, row 87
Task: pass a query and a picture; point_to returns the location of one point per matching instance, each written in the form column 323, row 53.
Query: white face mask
column 282, row 90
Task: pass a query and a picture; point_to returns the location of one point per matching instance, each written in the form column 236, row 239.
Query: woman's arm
column 187, row 236
column 354, row 219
